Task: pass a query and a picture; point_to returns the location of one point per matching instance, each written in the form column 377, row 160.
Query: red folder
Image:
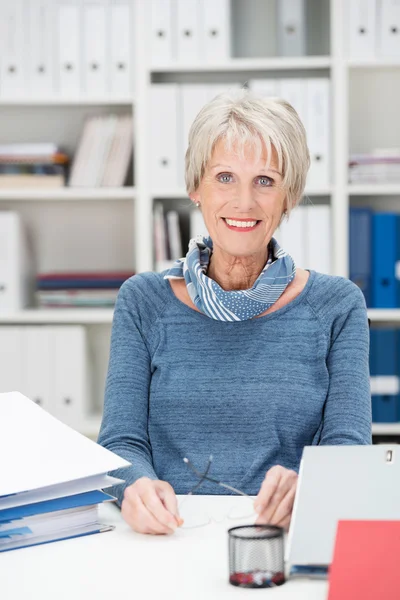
column 366, row 561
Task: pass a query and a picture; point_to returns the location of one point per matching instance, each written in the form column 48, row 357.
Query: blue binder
column 383, row 362
column 360, row 246
column 384, row 242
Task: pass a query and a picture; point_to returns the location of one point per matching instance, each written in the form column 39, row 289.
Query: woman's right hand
column 151, row 506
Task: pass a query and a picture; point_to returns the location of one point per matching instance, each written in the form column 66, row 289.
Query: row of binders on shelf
column 201, row 31
column 103, row 156
column 66, row 48
column 52, row 480
column 384, row 360
column 80, row 289
column 375, row 256
column 382, row 165
column 30, row 165
column 373, row 28
column 50, row 364
column 174, row 107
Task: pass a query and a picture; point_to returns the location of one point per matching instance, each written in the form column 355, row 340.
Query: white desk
column 188, row 565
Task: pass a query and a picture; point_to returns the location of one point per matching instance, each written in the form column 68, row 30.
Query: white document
column 162, row 42
column 362, row 28
column 11, row 358
column 389, row 32
column 13, row 44
column 165, row 136
column 216, row 30
column 188, row 30
column 197, row 225
column 37, row 358
column 14, row 265
column 69, row 35
column 291, row 235
column 318, row 239
column 318, row 131
column 264, row 87
column 94, row 47
column 40, row 57
column 71, row 368
column 121, row 55
column 38, row 450
column 291, row 27
column 294, row 90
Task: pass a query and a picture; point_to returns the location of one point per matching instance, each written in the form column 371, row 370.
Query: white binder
column 15, row 272
column 361, row 27
column 188, row 30
column 291, row 235
column 291, row 27
column 94, row 47
column 160, row 24
column 318, row 131
column 165, row 136
column 41, row 48
column 121, row 56
column 71, row 382
column 68, row 33
column 264, row 87
column 389, row 31
column 37, row 359
column 11, row 370
column 197, row 224
column 216, row 30
column 192, row 99
column 13, row 42
column 294, row 90
column 318, row 238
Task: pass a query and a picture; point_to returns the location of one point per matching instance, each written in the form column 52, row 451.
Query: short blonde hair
column 242, row 117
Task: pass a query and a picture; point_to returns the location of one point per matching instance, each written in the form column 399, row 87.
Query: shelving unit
column 124, row 217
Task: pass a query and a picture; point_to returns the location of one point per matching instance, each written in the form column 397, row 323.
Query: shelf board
column 373, row 63
column 247, row 64
column 384, row 315
column 65, row 101
column 386, row 428
column 374, row 189
column 59, row 315
column 67, row 193
column 180, row 193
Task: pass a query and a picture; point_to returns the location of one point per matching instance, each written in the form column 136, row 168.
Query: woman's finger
column 268, row 489
column 285, row 507
column 169, row 499
column 148, row 522
column 152, row 501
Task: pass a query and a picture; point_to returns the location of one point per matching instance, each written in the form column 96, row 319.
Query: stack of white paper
column 52, row 477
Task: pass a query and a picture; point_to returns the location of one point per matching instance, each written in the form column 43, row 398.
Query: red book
column 366, row 561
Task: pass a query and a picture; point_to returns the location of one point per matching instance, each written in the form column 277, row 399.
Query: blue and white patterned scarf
column 240, row 305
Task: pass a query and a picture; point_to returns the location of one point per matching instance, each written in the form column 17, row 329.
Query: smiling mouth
column 241, row 225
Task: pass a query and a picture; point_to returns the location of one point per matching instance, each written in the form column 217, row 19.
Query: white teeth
column 241, row 223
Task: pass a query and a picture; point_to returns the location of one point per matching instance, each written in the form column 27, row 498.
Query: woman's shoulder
column 144, row 293
column 332, row 295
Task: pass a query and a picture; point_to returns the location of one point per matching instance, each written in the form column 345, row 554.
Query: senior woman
column 234, row 351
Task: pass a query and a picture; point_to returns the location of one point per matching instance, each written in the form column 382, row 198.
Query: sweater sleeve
column 124, row 425
column 347, row 414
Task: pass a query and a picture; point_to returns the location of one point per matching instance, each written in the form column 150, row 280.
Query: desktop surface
column 190, row 564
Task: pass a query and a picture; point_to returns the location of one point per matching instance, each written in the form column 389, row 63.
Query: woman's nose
column 244, row 198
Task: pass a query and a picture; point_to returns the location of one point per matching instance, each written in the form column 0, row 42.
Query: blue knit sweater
column 251, row 393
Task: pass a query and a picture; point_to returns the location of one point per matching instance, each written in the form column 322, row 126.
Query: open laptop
column 337, row 483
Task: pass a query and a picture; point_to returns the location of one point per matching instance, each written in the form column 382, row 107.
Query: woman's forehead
column 237, row 152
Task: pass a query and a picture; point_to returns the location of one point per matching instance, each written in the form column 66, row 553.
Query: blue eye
column 224, row 177
column 265, row 181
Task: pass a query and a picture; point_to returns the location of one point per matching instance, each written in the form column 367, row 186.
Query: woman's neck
column 235, row 273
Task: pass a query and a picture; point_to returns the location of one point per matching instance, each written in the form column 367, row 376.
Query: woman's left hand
column 274, row 502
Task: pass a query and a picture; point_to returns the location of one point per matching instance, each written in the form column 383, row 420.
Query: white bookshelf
column 122, row 219
column 386, row 428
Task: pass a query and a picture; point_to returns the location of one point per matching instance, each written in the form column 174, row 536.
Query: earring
column 197, row 204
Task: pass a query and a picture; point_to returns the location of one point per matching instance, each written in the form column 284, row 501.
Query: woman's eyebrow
column 229, row 167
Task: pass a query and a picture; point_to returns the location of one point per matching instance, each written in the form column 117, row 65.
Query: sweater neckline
column 299, row 298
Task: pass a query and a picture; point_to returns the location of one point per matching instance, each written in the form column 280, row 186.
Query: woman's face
column 242, row 202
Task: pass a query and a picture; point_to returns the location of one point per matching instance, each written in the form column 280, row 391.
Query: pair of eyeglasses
column 198, row 511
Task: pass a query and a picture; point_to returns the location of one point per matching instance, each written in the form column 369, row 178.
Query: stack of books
column 381, row 166
column 52, row 477
column 167, row 237
column 39, row 165
column 81, row 289
column 104, row 152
